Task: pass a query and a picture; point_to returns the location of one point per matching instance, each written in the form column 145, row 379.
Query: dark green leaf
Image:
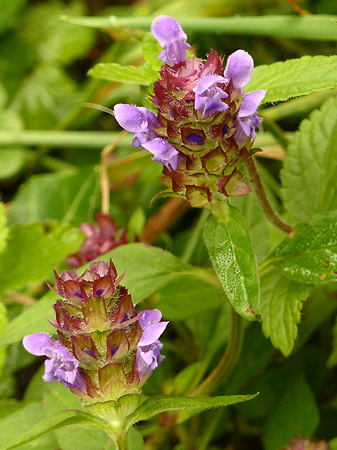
column 281, row 304
column 3, row 227
column 310, row 255
column 228, row 241
column 143, row 75
column 294, row 414
column 333, row 355
column 32, row 253
column 160, row 403
column 294, row 77
column 310, row 168
column 67, row 197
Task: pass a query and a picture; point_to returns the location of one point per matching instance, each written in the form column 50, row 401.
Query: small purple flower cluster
column 104, row 348
column 205, row 124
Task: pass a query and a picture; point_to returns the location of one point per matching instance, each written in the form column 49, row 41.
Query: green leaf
column 295, row 414
column 135, row 439
column 143, row 75
column 281, row 304
column 3, row 228
column 32, row 320
column 32, row 253
column 160, row 403
column 313, row 26
column 294, row 77
column 178, row 300
column 310, row 255
column 21, row 420
column 12, row 161
column 3, row 323
column 150, row 268
column 332, row 361
column 310, row 168
column 57, row 397
column 59, row 420
column 228, row 242
column 151, row 49
column 68, row 197
column 8, row 9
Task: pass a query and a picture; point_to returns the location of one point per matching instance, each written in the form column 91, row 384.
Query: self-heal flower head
column 172, row 38
column 205, row 122
column 61, row 366
column 148, row 355
column 105, row 350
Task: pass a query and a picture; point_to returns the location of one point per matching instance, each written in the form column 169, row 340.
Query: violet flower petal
column 133, row 118
column 37, row 343
column 172, row 39
column 208, row 81
column 152, row 333
column 250, row 103
column 149, row 316
column 148, row 358
column 163, row 152
column 208, row 96
column 239, row 68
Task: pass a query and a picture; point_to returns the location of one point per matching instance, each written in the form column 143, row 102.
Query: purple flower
column 148, row 355
column 142, row 122
column 172, row 38
column 61, row 366
column 247, row 119
column 208, row 95
column 239, row 68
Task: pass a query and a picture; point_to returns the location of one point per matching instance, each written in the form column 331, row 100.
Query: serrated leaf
column 310, row 167
column 295, row 414
column 228, row 242
column 294, row 77
column 143, row 75
column 281, row 304
column 151, row 49
column 160, row 403
column 55, row 422
column 32, row 253
column 310, row 256
column 332, row 361
column 66, row 197
column 3, row 227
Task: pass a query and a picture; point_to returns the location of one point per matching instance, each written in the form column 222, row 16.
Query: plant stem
column 228, row 361
column 195, row 235
column 122, row 442
column 264, row 202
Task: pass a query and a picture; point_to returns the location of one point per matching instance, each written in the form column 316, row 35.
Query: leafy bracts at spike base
column 104, row 349
column 205, row 124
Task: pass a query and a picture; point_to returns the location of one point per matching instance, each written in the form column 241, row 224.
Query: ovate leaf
column 143, row 75
column 310, row 168
column 228, row 242
column 281, row 303
column 160, row 403
column 310, row 256
column 294, row 77
column 32, row 253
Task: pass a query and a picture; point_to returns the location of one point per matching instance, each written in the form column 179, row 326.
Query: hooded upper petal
column 172, row 38
column 239, row 68
column 250, row 103
column 38, row 343
column 163, row 151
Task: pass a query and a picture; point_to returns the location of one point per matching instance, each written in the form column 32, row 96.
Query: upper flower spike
column 172, row 38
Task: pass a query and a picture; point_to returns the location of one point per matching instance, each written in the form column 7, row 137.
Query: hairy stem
column 264, row 202
column 228, row 361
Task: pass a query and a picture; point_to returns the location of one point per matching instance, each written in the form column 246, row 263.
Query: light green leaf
column 310, row 255
column 3, row 323
column 151, row 49
column 178, row 300
column 32, row 253
column 143, row 75
column 8, row 9
column 281, row 304
column 12, row 161
column 294, row 77
column 310, row 168
column 332, row 361
column 160, row 403
column 57, row 397
column 333, row 444
column 3, row 228
column 68, row 197
column 135, row 439
column 228, row 241
column 295, row 414
column 32, row 320
column 58, row 420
